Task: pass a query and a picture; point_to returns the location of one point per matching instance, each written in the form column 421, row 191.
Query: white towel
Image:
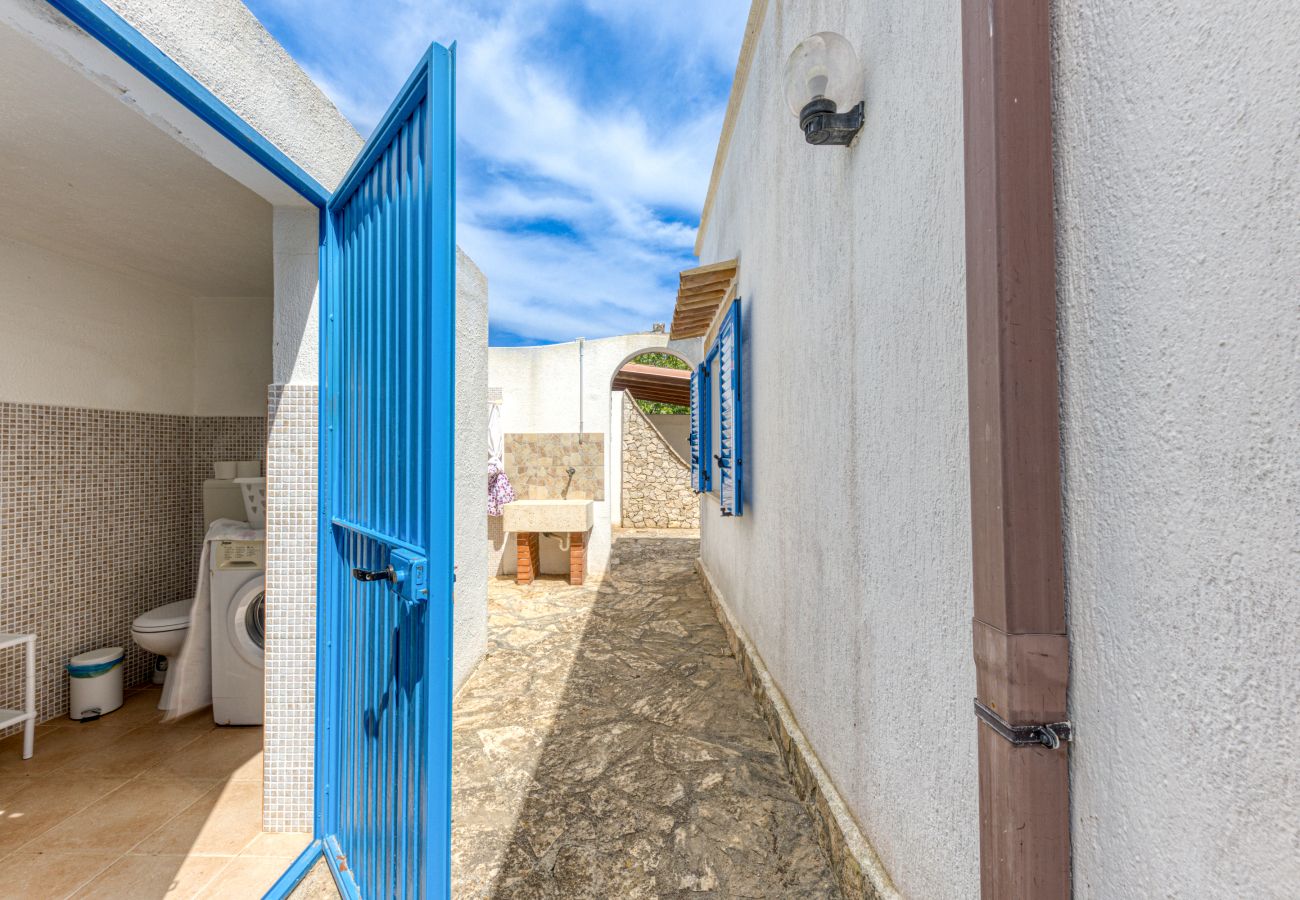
column 193, row 688
column 496, row 440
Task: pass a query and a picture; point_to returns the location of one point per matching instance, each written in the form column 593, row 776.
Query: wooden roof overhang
column 655, row 383
column 701, row 292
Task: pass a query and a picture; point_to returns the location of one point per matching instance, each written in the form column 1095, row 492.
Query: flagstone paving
column 607, row 747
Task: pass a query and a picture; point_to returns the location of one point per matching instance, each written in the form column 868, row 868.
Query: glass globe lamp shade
column 822, row 67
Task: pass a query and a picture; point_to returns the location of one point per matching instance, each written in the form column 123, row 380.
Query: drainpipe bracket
column 1049, row 735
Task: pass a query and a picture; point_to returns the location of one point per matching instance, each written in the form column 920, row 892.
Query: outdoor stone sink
column 548, row 515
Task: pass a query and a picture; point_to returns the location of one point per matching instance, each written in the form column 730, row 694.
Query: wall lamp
column 822, row 75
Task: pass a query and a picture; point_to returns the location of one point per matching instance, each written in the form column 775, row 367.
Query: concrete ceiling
column 83, row 173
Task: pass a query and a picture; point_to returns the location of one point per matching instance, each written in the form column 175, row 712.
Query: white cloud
column 579, row 211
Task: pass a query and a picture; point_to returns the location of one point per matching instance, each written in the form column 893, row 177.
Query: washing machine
column 238, row 588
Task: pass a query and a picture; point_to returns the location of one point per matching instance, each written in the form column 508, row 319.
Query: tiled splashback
column 538, row 464
column 98, row 523
column 219, row 438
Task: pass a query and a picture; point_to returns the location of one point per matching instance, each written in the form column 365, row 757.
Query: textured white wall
column 223, row 45
column 614, row 485
column 470, row 637
column 295, row 234
column 541, row 393
column 676, row 430
column 1178, row 223
column 232, row 355
column 850, row 569
column 76, row 334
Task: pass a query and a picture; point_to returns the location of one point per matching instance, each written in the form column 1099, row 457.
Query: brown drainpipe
column 1020, row 644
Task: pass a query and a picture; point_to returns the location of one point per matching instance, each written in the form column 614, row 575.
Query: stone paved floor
column 607, row 747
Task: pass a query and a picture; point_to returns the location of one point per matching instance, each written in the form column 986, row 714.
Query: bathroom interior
column 136, row 323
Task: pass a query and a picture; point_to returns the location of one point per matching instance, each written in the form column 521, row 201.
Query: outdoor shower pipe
column 582, row 342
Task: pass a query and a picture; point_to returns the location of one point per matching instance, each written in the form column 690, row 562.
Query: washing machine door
column 247, row 625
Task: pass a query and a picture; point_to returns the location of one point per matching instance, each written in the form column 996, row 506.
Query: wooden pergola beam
column 701, row 291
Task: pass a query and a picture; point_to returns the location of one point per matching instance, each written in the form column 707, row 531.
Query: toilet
column 163, row 631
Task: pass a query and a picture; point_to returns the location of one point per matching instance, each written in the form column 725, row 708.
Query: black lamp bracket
column 821, row 124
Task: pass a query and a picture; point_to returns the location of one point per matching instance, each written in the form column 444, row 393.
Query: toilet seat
column 171, row 617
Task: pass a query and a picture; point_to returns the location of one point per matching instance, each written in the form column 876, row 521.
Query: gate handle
column 370, row 575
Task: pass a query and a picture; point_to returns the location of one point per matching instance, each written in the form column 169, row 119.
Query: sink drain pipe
column 1020, row 643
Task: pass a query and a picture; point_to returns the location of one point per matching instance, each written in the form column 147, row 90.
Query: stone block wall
column 656, row 481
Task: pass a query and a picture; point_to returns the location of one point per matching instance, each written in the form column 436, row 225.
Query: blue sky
column 587, row 133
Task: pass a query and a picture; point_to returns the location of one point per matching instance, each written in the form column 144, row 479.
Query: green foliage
column 662, row 360
column 651, row 408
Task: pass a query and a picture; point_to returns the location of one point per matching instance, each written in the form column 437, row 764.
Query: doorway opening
column 652, row 397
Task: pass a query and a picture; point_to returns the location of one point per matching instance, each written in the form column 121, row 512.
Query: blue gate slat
column 388, row 327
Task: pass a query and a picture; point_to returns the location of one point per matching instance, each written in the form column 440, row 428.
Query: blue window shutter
column 695, row 430
column 706, row 427
column 730, row 415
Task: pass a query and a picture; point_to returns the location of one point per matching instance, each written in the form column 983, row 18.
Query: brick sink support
column 530, row 556
column 577, row 557
column 528, row 549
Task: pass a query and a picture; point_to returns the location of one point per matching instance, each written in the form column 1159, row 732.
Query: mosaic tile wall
column 290, row 608
column 537, row 465
column 219, row 438
column 97, row 525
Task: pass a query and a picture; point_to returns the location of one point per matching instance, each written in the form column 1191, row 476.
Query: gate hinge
column 1049, row 736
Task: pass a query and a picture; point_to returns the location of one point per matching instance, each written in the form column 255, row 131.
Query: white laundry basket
column 254, row 500
column 95, row 683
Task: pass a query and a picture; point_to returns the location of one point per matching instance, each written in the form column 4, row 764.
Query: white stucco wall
column 295, row 235
column 77, row 334
column 74, row 333
column 1178, row 222
column 470, row 635
column 223, row 45
column 542, row 393
column 850, row 568
column 232, row 355
column 676, row 430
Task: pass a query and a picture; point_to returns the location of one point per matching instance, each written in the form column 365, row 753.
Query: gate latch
column 407, row 575
column 1049, row 736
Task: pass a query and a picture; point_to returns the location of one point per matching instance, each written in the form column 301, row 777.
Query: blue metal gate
column 383, row 744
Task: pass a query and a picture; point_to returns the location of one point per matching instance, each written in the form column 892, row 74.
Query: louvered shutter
column 730, row 415
column 695, row 430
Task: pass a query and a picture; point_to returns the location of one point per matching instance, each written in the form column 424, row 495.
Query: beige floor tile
column 123, row 818
column 139, row 749
column 230, row 752
column 138, row 708
column 200, row 719
column 56, row 748
column 243, row 878
column 277, row 845
column 32, row 805
column 222, row 822
column 30, row 875
column 172, row 877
